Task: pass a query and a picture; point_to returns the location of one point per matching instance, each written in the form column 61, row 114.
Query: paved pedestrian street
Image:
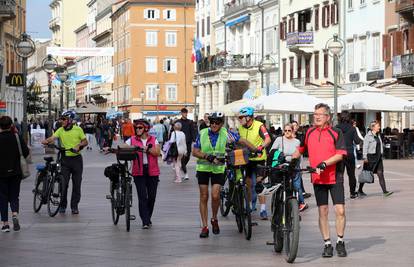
column 380, row 231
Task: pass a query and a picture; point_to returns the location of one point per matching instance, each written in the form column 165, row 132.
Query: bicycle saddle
column 48, row 159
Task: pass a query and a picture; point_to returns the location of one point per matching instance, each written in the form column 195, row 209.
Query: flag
column 196, row 55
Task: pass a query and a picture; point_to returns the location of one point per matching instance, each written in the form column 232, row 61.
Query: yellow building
column 152, row 62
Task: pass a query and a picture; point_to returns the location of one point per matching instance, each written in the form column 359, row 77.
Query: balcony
column 7, row 10
column 235, row 6
column 299, row 39
column 54, row 23
column 220, row 61
column 404, row 6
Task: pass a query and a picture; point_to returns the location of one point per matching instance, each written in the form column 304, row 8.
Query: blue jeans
column 298, row 187
column 253, row 189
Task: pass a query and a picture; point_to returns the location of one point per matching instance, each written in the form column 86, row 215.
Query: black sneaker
column 307, row 195
column 5, row 228
column 16, row 225
column 327, row 251
column 216, row 228
column 75, row 211
column 340, row 249
column 354, row 195
column 361, row 194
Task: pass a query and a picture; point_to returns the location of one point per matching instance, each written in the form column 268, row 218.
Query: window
column 325, row 16
column 170, row 65
column 151, row 14
column 151, row 91
column 169, row 14
column 202, row 27
column 292, row 24
column 291, row 68
column 363, row 3
column 171, row 91
column 208, row 25
column 299, row 66
column 316, row 18
column 151, row 64
column 171, row 39
column 269, row 41
column 325, row 64
column 284, row 70
column 350, row 4
column 376, row 50
column 363, row 53
column 151, row 38
column 334, row 13
column 350, row 56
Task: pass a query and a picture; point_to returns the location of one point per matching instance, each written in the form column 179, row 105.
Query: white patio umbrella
column 231, row 109
column 369, row 98
column 287, row 100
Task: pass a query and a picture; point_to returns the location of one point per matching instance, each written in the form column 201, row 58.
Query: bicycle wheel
column 225, row 203
column 128, row 200
column 54, row 195
column 236, row 210
column 276, row 221
column 245, row 212
column 291, row 235
column 38, row 192
column 114, row 201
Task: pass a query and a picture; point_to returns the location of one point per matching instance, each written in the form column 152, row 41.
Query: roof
column 127, row 3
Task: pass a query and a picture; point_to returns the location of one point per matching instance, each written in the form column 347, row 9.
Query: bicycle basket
column 112, row 172
column 126, row 153
column 238, row 157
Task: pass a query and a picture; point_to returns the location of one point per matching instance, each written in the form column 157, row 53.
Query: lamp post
column 335, row 46
column 68, row 84
column 24, row 48
column 63, row 76
column 49, row 64
column 265, row 66
column 157, row 91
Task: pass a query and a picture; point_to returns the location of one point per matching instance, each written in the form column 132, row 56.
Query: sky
column 38, row 15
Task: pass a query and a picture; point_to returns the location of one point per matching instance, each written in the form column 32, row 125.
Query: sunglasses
column 288, row 131
column 241, row 117
column 215, row 122
column 140, row 127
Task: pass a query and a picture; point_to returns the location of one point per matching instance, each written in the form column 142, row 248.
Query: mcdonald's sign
column 15, row 79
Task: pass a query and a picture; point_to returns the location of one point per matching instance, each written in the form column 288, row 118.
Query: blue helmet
column 69, row 114
column 247, row 111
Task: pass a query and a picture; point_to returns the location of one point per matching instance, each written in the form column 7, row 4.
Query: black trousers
column 147, row 191
column 9, row 193
column 349, row 162
column 186, row 159
column 72, row 167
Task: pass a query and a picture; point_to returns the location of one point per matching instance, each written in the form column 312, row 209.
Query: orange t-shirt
column 128, row 129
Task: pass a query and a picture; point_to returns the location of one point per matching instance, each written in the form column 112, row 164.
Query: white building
column 364, row 27
column 231, row 69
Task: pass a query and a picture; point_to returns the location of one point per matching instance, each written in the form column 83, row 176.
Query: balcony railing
column 299, row 38
column 235, row 6
column 54, row 23
column 221, row 61
column 7, row 9
column 404, row 5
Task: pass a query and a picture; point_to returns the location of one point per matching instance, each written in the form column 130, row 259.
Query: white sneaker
column 178, row 181
column 358, row 166
column 186, row 177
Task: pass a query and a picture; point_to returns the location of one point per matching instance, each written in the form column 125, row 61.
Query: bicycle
column 48, row 183
column 121, row 189
column 285, row 220
column 235, row 195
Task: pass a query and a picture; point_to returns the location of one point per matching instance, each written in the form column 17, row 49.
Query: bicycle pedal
column 132, row 217
column 108, row 197
column 270, row 243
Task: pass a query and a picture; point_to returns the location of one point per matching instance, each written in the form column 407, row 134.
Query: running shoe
column 327, row 251
column 303, row 206
column 388, row 193
column 5, row 228
column 354, row 195
column 216, row 228
column 186, row 178
column 340, row 249
column 16, row 225
column 204, row 232
column 145, row 227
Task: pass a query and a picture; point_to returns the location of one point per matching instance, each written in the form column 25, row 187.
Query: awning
column 238, row 20
column 162, row 112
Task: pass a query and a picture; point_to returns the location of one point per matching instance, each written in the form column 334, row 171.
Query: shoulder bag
column 366, row 177
column 173, row 151
column 24, row 166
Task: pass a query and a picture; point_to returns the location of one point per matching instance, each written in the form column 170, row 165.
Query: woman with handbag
column 372, row 156
column 177, row 143
column 11, row 172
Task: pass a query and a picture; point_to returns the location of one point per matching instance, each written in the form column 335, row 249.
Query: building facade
column 152, row 62
column 12, row 25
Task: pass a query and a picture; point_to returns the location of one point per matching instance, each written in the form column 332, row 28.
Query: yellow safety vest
column 252, row 135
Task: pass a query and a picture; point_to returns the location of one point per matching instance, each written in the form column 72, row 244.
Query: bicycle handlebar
column 61, row 149
column 285, row 167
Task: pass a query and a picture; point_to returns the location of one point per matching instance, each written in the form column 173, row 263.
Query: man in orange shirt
column 127, row 129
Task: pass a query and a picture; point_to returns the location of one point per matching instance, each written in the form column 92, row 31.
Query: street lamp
column 335, row 48
column 157, row 91
column 265, row 66
column 63, row 76
column 68, row 84
column 24, row 48
column 49, row 64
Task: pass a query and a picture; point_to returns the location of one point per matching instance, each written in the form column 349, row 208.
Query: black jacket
column 188, row 129
column 9, row 155
column 350, row 136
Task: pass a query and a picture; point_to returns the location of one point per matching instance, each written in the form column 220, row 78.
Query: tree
column 35, row 104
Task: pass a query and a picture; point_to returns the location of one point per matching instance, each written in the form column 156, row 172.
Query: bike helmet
column 216, row 116
column 69, row 114
column 144, row 123
column 246, row 111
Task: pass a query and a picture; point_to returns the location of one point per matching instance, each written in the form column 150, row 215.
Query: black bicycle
column 234, row 195
column 285, row 222
column 48, row 183
column 120, row 187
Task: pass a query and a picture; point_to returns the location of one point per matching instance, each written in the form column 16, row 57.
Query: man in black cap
column 190, row 135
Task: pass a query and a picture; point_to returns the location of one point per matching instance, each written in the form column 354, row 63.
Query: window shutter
column 293, row 25
column 316, row 67
column 281, row 31
column 299, row 66
column 399, row 43
column 173, row 14
column 146, row 13
column 411, row 39
column 157, row 14
column 284, row 70
column 333, row 14
column 325, row 65
column 164, row 65
column 316, row 18
column 323, row 17
column 174, row 65
column 386, row 49
column 327, row 16
column 165, row 13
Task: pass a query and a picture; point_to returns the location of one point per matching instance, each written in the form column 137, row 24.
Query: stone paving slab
column 380, row 231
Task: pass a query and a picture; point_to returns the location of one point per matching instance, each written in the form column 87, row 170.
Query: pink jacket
column 153, row 169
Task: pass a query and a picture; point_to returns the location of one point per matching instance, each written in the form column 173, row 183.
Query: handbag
column 24, row 166
column 173, row 151
column 366, row 177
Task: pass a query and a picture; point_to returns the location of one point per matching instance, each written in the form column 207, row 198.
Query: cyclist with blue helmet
column 72, row 137
column 256, row 133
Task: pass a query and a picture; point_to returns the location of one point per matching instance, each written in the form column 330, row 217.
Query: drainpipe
column 225, row 34
column 259, row 5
